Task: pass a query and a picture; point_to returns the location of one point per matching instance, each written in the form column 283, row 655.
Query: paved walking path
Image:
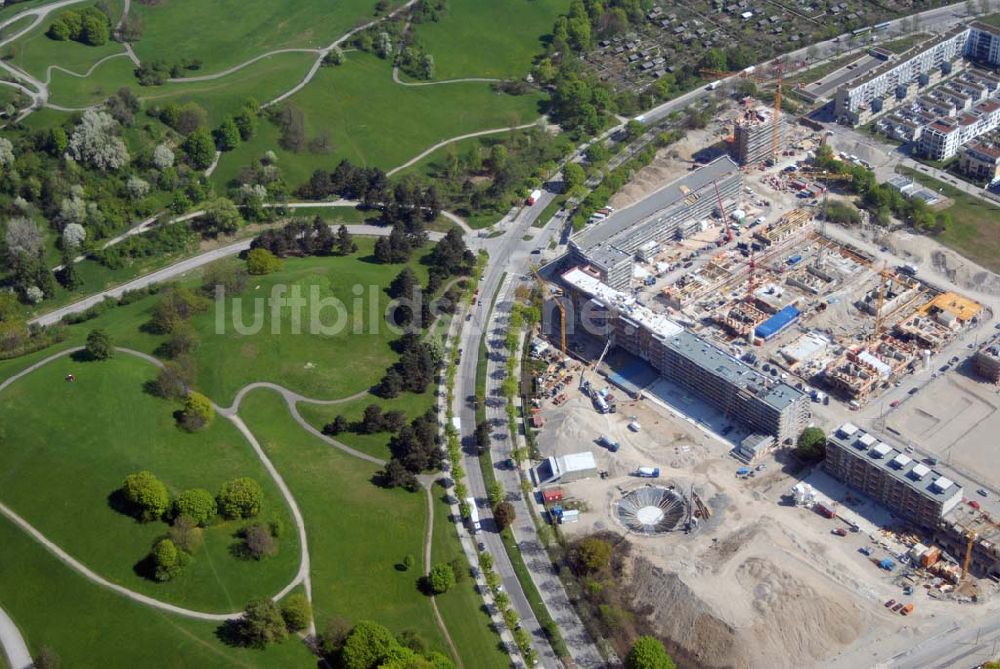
column 302, row 576
column 446, row 142
column 464, row 80
column 14, row 647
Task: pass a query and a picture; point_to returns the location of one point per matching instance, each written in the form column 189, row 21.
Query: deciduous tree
column 240, row 498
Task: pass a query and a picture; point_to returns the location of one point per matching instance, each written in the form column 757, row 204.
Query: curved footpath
column 464, row 80
column 184, row 266
column 14, row 647
column 450, row 140
column 302, row 576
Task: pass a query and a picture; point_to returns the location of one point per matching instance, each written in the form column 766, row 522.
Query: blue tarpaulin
column 778, row 322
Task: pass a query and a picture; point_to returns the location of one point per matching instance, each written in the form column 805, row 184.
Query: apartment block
column 766, row 405
column 981, row 161
column 754, row 135
column 910, row 489
column 672, row 212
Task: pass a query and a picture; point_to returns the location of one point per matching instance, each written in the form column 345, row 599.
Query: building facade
column 754, row 135
column 672, row 212
column 986, row 361
column 766, row 405
column 889, row 476
column 980, row 161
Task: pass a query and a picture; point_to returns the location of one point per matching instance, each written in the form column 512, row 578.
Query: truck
column 601, row 404
column 825, row 510
column 909, row 269
column 533, row 198
column 648, row 472
column 907, row 610
column 608, row 443
column 473, row 515
column 712, row 86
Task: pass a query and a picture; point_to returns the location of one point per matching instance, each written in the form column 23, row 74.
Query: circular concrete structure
column 652, row 510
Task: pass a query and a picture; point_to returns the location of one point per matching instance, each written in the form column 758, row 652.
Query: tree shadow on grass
column 230, row 633
column 118, row 503
column 145, row 568
column 81, row 356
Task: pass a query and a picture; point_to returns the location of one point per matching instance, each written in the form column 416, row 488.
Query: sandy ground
column 761, row 583
column 955, row 417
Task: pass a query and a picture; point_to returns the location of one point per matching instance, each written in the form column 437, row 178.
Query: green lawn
column 374, row 444
column 371, row 120
column 478, row 643
column 316, row 365
column 358, row 533
column 88, row 626
column 498, row 39
column 820, row 71
column 902, row 44
column 223, row 33
column 975, row 229
column 72, row 445
column 35, row 52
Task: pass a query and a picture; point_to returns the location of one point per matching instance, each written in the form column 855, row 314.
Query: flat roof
column 674, row 192
column 577, row 462
column 716, row 361
column 624, row 303
column 909, row 55
column 894, row 462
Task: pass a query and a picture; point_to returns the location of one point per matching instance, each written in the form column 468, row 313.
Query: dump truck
column 907, row 610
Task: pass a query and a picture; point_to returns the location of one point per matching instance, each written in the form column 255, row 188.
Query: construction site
column 681, row 388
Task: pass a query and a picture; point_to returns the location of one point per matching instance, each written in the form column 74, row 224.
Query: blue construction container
column 778, row 322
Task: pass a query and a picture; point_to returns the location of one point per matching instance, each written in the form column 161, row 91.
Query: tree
column 259, row 541
column 240, row 498
column 408, row 562
column 197, row 504
column 95, row 141
column 246, row 123
column 296, row 612
column 503, row 514
column 186, row 534
column 367, row 646
column 221, row 218
column 441, row 578
column 99, row 346
column 167, row 560
column 227, row 135
column 199, row 149
column 591, row 554
column 336, row 426
column 396, row 475
column 372, row 420
column 261, row 261
column 146, row 496
column 73, row 236
column 495, row 493
column 345, row 243
column 574, row 176
column 23, row 237
column 811, row 444
column 67, row 274
column 137, row 188
column 648, row 653
column 482, row 435
column 198, row 411
column 163, row 157
column 262, row 624
column 333, row 636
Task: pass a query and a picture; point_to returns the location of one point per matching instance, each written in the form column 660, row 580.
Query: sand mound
column 749, row 601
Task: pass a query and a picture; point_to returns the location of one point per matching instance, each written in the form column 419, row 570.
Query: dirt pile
column 746, row 601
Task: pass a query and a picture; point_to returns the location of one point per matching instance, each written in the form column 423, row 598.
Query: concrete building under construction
column 765, row 404
column 888, row 475
column 754, row 136
column 672, row 212
column 986, row 361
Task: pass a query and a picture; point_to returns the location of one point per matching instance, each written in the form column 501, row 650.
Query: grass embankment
column 317, row 365
column 472, row 633
column 901, row 45
column 479, row 39
column 975, row 228
column 86, row 624
column 370, row 120
column 820, row 71
column 358, row 533
column 73, row 444
column 35, row 51
column 224, row 33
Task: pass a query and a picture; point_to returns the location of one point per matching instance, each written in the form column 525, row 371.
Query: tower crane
column 722, row 212
column 777, row 118
column 885, row 277
column 751, row 278
column 551, row 295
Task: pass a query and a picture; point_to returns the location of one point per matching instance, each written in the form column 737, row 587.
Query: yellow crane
column 885, row 277
column 777, row 119
column 551, row 295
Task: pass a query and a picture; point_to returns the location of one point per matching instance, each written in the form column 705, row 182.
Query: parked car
column 982, row 491
column 840, row 532
column 894, row 403
column 890, row 603
column 898, row 606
